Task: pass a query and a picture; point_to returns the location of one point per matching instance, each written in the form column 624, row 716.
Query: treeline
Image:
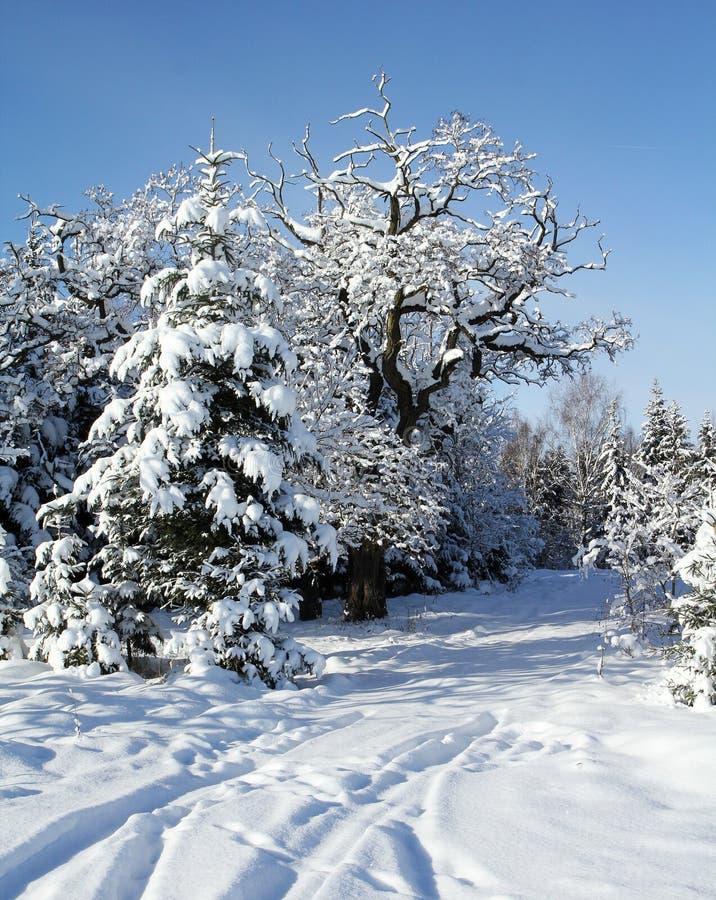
column 637, row 504
column 570, row 463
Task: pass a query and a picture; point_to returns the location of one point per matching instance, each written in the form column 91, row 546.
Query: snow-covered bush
column 241, row 633
column 71, row 625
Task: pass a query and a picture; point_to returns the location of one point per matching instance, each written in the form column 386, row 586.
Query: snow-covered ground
column 464, row 748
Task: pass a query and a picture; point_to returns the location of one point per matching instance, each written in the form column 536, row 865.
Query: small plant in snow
column 75, row 716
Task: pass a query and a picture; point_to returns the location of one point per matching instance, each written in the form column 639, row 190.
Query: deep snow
column 463, row 748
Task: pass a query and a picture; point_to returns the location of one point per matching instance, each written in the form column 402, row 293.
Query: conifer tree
column 552, row 503
column 72, row 626
column 650, row 514
column 201, row 501
column 622, row 545
column 686, row 499
column 693, row 680
column 616, row 487
column 703, row 467
column 677, row 442
column 668, row 503
column 654, row 447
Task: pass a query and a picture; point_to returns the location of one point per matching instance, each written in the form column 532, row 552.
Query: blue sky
column 617, row 99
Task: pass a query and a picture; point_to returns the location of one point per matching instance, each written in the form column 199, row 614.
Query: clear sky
column 617, row 98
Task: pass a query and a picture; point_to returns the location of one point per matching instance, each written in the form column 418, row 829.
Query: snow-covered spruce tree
column 693, row 680
column 654, row 445
column 194, row 505
column 71, row 623
column 702, row 473
column 552, row 501
column 616, row 485
column 685, row 511
column 669, row 503
column 68, row 298
column 421, row 287
column 625, row 534
column 651, row 516
column 581, row 409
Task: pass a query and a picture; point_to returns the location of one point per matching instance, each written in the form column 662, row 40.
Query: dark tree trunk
column 366, row 583
column 309, row 606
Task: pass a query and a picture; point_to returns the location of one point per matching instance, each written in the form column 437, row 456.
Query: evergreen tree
column 201, row 501
column 668, row 503
column 71, row 624
column 678, row 449
column 551, row 496
column 615, row 467
column 655, row 447
column 616, row 487
column 693, row 680
column 622, row 545
column 703, row 466
column 651, row 513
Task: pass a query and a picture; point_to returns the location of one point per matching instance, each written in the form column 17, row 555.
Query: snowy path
column 467, row 750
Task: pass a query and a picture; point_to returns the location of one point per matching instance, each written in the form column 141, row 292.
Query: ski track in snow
column 465, row 749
